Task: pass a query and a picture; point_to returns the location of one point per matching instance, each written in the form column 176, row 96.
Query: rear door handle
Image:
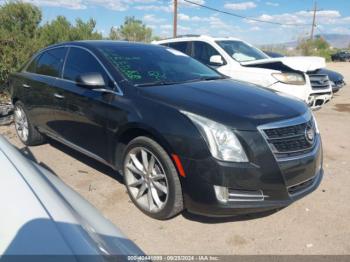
column 58, row 96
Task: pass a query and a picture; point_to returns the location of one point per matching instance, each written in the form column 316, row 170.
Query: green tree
column 61, row 30
column 114, row 34
column 85, row 30
column 18, row 35
column 132, row 30
column 56, row 31
column 316, row 47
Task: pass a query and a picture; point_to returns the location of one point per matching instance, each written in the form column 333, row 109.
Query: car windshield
column 241, row 51
column 155, row 65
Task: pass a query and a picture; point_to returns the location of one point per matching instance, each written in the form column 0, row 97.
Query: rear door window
column 31, row 68
column 181, row 46
column 49, row 63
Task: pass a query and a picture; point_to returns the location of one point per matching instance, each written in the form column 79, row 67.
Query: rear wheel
column 151, row 179
column 24, row 128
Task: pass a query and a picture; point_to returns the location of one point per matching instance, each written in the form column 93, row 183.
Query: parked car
column 182, row 135
column 336, row 79
column 343, row 56
column 42, row 217
column 240, row 60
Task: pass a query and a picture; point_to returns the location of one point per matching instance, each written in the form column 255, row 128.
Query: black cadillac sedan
column 182, row 135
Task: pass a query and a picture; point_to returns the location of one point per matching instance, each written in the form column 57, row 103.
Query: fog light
column 221, row 193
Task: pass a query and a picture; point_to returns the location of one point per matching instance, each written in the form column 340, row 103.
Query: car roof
column 101, row 43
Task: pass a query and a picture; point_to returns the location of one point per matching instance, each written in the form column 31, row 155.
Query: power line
column 242, row 16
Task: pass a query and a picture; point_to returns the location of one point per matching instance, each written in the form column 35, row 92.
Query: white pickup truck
column 294, row 76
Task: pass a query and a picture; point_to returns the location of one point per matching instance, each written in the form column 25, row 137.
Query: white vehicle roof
column 195, row 37
column 40, row 215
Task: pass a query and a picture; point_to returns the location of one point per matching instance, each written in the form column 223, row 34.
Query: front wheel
column 151, row 179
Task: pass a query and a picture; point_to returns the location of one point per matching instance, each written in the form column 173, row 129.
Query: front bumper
column 317, row 100
column 337, row 86
column 275, row 179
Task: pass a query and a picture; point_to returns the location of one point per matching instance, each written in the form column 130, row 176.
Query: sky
column 333, row 17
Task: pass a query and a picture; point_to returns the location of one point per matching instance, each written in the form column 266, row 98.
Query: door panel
column 38, row 85
column 81, row 117
column 40, row 101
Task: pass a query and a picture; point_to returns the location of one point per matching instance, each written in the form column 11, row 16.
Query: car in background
column 343, row 56
column 240, row 60
column 43, row 218
column 336, row 79
column 182, row 135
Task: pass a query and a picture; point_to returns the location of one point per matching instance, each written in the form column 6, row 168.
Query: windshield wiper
column 155, row 83
column 163, row 83
column 207, row 78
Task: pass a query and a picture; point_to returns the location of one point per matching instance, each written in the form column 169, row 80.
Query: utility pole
column 175, row 19
column 313, row 21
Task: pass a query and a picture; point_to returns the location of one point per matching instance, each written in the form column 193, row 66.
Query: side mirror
column 216, row 60
column 91, row 80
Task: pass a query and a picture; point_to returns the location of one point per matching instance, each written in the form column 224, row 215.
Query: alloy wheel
column 21, row 123
column 146, row 179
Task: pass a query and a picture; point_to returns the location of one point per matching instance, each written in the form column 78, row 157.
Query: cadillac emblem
column 310, row 134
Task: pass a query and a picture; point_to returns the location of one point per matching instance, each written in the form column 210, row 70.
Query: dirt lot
column 317, row 224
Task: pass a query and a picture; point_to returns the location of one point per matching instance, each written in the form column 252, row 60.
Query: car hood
column 237, row 104
column 298, row 63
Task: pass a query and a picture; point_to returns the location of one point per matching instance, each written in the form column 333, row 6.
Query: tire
column 147, row 186
column 25, row 130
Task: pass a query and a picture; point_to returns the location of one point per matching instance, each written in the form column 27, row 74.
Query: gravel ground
column 317, row 224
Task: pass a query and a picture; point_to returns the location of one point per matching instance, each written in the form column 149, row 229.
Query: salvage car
column 336, row 79
column 240, row 60
column 182, row 135
column 42, row 218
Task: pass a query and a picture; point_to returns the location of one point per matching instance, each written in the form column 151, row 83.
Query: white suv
column 239, row 60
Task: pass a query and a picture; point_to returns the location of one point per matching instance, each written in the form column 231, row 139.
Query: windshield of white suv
column 240, row 51
column 154, row 65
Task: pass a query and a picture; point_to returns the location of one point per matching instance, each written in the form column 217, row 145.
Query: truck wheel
column 24, row 128
column 151, row 179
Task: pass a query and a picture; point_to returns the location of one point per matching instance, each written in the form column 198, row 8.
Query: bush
column 315, row 47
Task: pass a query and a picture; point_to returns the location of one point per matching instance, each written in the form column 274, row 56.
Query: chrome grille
column 319, row 81
column 287, row 141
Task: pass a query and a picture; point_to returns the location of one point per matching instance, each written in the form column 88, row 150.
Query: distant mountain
column 335, row 40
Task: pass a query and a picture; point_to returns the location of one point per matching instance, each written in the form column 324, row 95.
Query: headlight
column 290, row 78
column 222, row 142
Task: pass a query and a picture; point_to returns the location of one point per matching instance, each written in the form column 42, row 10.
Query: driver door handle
column 58, row 96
